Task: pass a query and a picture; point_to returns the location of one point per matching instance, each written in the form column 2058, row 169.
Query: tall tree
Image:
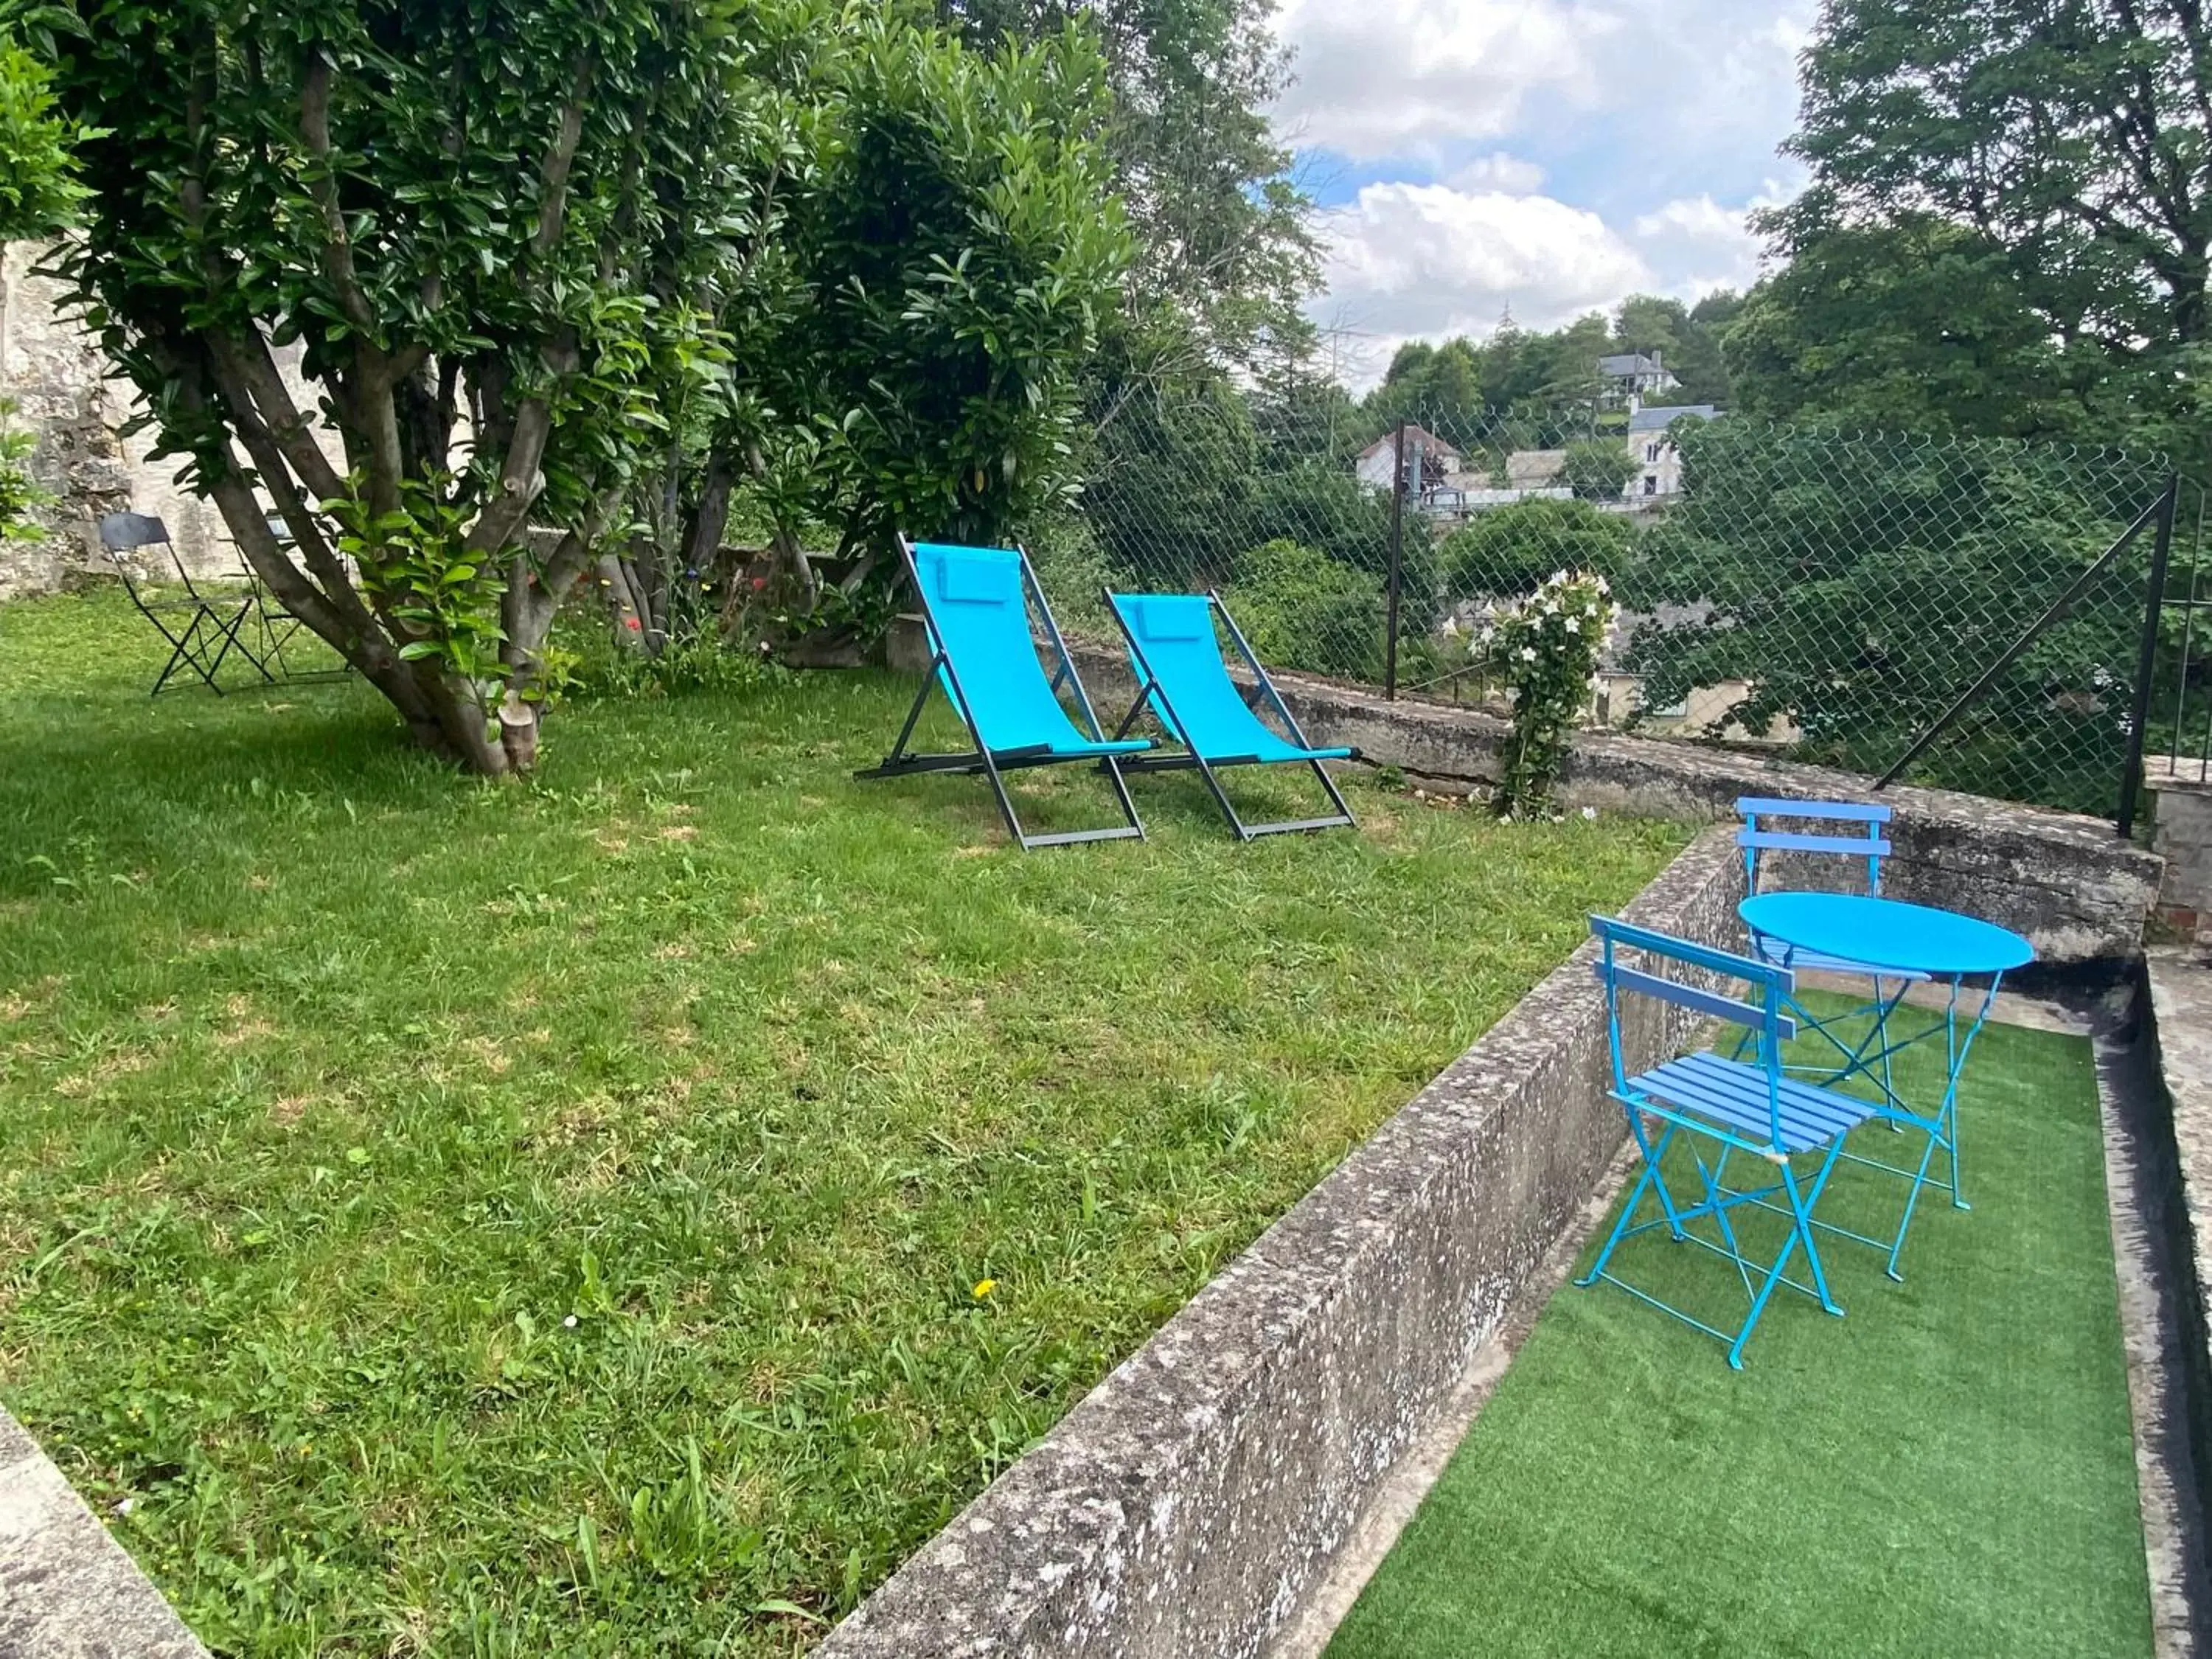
column 2070, row 136
column 1917, row 326
column 1225, row 251
column 955, row 244
column 450, row 210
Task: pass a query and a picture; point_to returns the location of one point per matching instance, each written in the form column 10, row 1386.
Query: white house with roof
column 1658, row 462
column 1631, row 376
column 1377, row 465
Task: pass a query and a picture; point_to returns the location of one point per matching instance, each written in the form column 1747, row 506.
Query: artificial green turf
column 548, row 1219
column 1949, row 1469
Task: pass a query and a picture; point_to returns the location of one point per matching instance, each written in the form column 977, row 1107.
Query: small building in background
column 1377, row 465
column 1627, row 377
column 1658, row 462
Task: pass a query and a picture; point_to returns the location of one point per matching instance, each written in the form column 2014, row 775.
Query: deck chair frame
column 209, row 630
column 1732, row 1108
column 994, row 765
column 1151, row 687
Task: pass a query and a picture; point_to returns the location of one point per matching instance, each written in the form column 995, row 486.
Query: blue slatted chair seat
column 1729, row 1092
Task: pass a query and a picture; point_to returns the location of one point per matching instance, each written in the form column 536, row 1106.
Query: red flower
column 633, row 624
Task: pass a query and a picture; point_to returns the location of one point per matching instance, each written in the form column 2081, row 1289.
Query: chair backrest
column 126, row 532
column 1869, row 844
column 975, row 603
column 1172, row 643
column 1664, row 956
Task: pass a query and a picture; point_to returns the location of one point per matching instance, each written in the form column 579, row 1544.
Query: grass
column 626, row 1214
column 1949, row 1469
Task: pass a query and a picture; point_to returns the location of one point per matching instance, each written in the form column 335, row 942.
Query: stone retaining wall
column 1190, row 1502
column 2067, row 883
column 67, row 1589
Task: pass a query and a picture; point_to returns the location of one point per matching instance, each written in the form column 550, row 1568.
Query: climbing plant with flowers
column 1546, row 652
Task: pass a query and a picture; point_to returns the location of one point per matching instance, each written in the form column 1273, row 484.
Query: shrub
column 1302, row 608
column 1510, row 551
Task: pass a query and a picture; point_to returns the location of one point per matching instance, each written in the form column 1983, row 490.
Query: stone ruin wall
column 53, row 371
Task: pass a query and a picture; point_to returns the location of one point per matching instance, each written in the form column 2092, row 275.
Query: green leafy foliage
column 1509, row 551
column 1224, row 250
column 41, row 193
column 1597, row 469
column 1300, row 608
column 962, row 242
column 1859, row 583
column 448, row 213
column 2054, row 165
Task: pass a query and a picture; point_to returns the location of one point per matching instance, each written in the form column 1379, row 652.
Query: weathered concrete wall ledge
column 67, row 1589
column 2066, row 881
column 1189, row 1504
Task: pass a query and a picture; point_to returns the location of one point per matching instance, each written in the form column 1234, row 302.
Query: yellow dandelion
column 985, row 1286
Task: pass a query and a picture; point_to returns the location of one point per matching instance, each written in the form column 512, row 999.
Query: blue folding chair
column 1872, row 1049
column 975, row 603
column 1725, row 1106
column 1183, row 678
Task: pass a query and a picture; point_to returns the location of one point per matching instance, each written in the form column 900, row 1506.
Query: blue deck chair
column 1182, row 677
column 1723, row 1106
column 975, row 603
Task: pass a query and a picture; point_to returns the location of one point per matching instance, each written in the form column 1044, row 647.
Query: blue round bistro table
column 1893, row 943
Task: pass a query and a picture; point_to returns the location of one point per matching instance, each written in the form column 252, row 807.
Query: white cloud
column 1702, row 245
column 1430, row 261
column 1419, row 79
column 1410, row 261
column 1498, row 171
column 1402, row 77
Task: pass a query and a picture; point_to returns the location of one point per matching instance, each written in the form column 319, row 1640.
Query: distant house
column 1534, row 469
column 1659, row 464
column 1629, row 376
column 1377, row 465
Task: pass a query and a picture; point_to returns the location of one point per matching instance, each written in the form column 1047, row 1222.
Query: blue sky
column 1551, row 155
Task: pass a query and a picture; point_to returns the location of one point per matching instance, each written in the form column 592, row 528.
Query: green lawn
column 1947, row 1470
column 554, row 1219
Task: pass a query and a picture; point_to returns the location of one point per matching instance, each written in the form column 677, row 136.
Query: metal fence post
column 1397, row 546
column 2147, row 658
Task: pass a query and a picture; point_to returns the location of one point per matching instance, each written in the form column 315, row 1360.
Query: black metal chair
column 202, row 629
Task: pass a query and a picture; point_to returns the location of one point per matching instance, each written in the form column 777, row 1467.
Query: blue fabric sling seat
column 1183, row 677
column 976, row 610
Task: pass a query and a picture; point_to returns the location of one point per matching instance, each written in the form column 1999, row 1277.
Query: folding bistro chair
column 202, row 629
column 975, row 603
column 1868, row 1053
column 1181, row 676
column 1721, row 1106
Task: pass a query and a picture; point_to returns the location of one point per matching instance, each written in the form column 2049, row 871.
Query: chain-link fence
column 1823, row 595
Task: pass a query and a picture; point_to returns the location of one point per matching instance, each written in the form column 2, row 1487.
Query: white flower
column 1557, row 577
column 1450, row 628
column 1550, row 607
column 570, row 1322
column 1573, row 626
column 1589, row 814
column 1528, row 654
column 1601, row 586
